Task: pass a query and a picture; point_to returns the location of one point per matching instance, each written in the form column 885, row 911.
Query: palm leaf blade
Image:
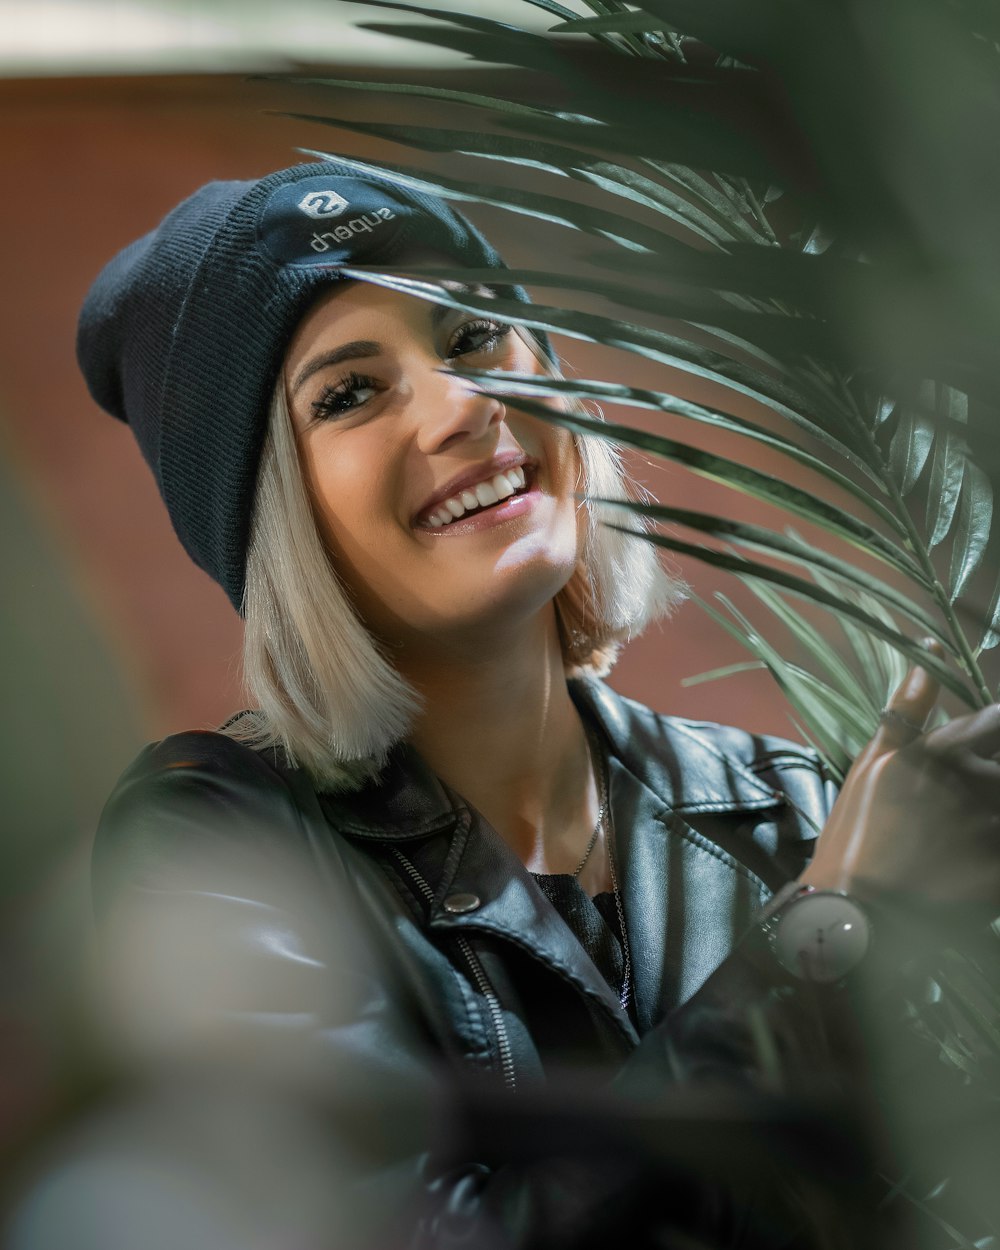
column 785, row 547
column 816, row 594
column 975, row 516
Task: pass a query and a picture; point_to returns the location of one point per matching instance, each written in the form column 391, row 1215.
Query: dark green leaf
column 886, row 407
column 945, row 485
column 660, row 401
column 667, row 349
column 554, row 158
column 700, row 141
column 991, row 632
column 812, row 407
column 975, row 515
column 595, row 221
column 818, row 241
column 559, row 10
column 613, row 23
column 952, row 405
column 742, row 478
column 501, row 45
column 465, row 21
column 910, row 446
column 708, row 194
column 447, row 95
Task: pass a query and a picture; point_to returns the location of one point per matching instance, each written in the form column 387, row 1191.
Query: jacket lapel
column 512, row 907
column 669, row 790
column 676, row 795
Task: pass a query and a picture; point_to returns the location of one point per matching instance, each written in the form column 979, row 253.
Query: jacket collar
column 687, row 770
column 661, row 771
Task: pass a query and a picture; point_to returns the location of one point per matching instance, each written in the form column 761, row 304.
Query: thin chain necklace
column 602, row 812
column 606, row 821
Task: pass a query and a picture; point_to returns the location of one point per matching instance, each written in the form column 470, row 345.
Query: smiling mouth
column 482, row 497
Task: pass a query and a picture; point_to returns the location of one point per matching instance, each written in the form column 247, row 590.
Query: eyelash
column 330, row 404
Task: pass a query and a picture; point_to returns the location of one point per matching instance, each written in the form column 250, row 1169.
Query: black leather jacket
column 380, row 940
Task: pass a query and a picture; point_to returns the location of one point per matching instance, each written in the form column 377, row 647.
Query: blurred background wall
column 110, row 637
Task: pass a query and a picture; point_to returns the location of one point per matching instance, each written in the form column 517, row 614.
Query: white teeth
column 486, row 494
column 482, row 495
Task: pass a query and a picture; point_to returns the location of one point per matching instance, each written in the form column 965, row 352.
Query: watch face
column 821, row 936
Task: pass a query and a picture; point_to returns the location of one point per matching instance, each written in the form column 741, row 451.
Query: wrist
column 816, row 933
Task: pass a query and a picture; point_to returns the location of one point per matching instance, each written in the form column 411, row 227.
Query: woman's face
column 445, row 513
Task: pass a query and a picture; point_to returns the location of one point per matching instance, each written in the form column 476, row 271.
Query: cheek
column 347, row 491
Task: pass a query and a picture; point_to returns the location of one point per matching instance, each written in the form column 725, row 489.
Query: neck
column 499, row 727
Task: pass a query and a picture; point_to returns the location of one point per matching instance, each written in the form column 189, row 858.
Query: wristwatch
column 817, row 935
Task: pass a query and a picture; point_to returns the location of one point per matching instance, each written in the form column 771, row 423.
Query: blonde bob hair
column 327, row 696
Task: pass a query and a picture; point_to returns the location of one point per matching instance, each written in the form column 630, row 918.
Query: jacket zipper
column 480, row 978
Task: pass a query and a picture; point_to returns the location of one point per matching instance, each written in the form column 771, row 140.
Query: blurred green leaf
column 826, row 730
column 786, row 547
column 822, row 654
column 727, row 670
column 841, row 606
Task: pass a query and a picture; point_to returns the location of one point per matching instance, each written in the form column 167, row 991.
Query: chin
column 509, row 599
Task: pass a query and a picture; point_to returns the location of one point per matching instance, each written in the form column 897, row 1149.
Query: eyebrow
column 359, row 349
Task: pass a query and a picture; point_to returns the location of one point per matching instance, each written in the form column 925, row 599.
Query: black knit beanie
column 183, row 333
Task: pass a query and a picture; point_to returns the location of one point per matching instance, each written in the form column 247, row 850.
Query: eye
column 349, row 393
column 478, row 336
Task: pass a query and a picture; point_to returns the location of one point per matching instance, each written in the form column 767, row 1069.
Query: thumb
column 904, row 716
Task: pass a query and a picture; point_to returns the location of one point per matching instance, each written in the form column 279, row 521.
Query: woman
column 439, row 847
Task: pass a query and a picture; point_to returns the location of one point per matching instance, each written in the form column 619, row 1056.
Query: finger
column 905, row 715
column 975, row 733
column 959, row 778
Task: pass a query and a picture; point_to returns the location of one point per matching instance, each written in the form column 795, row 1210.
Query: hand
column 919, row 813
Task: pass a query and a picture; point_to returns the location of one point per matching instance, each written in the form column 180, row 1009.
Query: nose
column 450, row 410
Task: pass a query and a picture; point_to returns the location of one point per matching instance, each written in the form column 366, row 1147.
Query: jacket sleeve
column 235, row 965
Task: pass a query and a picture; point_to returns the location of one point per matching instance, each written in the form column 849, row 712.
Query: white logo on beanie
column 323, row 204
column 357, row 225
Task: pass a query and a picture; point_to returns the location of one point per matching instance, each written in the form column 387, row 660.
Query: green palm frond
column 770, row 217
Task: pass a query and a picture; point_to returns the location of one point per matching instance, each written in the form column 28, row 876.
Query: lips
column 479, row 487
